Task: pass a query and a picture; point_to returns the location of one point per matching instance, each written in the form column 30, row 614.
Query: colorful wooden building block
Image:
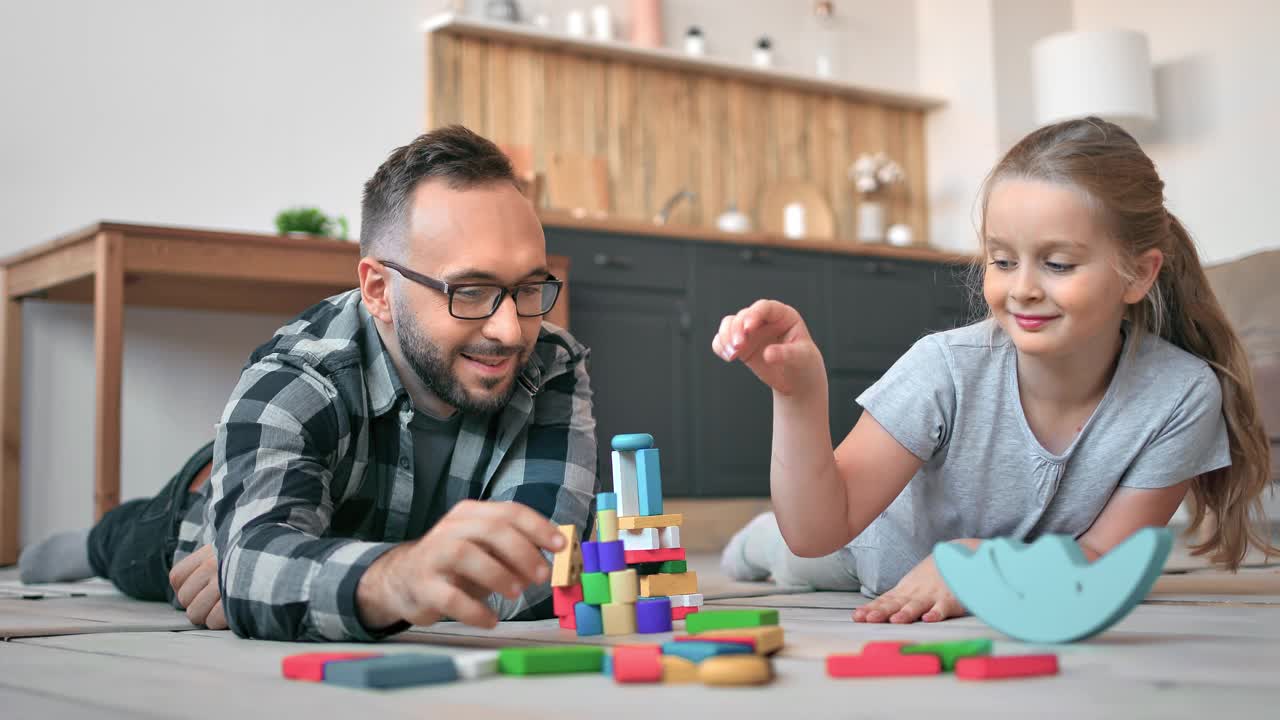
column 310, row 666
column 392, row 671
column 550, row 660
column 653, row 615
column 735, row 670
column 566, row 565
column 730, row 619
column 590, row 557
column 564, row 598
column 595, row 588
column 678, row 670
column 669, row 537
column 636, row 557
column 686, row 600
column 642, row 539
column 607, row 525
column 612, row 556
column 475, row 665
column 680, row 613
column 625, row 485
column 624, row 586
column 606, row 501
column 697, row 651
column 637, row 522
column 649, row 481
column 763, row 640
column 637, row 664
column 632, row 441
column 568, row 622
column 619, row 618
column 663, row 585
column 1006, row 666
column 950, row 652
column 882, row 665
column 588, row 619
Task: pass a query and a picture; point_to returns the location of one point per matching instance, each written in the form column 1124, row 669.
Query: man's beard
column 436, row 372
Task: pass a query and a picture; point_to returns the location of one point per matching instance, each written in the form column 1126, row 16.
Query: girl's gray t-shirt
column 952, row 400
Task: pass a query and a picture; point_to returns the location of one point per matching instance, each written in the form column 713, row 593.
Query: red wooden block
column 635, row 557
column 883, row 647
column 637, row 663
column 563, row 599
column 569, row 622
column 994, row 667
column 679, row 613
column 310, row 666
column 882, row 665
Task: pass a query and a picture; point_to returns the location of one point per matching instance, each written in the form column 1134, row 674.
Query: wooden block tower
column 633, row 577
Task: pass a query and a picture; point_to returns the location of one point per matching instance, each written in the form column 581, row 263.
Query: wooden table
column 110, row 265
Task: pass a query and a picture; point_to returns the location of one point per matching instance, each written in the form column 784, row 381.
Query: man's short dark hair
column 459, row 156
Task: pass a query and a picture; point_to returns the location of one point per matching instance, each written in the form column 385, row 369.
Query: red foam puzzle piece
column 637, row 663
column 635, row 557
column 882, row 664
column 679, row 613
column 994, row 667
column 564, row 598
column 310, row 666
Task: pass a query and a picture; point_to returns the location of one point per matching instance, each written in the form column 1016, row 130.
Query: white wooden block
column 669, row 537
column 625, row 484
column 690, row 600
column 643, row 539
column 476, row 664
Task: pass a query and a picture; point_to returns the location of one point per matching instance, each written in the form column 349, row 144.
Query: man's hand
column 195, row 580
column 920, row 595
column 478, row 548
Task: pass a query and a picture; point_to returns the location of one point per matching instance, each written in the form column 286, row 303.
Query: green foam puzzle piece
column 728, row 619
column 950, row 652
column 1047, row 592
column 392, row 671
column 595, row 589
column 550, row 660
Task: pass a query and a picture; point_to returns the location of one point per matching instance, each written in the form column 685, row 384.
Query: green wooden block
column 550, row 660
column 674, row 567
column 595, row 589
column 950, row 652
column 728, row 619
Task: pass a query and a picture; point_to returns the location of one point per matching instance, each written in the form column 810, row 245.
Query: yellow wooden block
column 566, row 565
column 619, row 618
column 735, row 670
column 637, row 522
column 769, row 638
column 685, row 583
column 624, row 586
column 607, row 526
column 678, row 670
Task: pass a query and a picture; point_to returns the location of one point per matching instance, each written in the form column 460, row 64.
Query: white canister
column 870, row 221
column 793, row 220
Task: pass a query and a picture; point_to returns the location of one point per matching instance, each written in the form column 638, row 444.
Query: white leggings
column 758, row 552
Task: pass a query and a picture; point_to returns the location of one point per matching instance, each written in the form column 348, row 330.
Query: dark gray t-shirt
column 433, row 442
column 953, row 401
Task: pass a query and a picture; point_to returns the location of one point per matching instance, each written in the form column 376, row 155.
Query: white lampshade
column 1105, row 73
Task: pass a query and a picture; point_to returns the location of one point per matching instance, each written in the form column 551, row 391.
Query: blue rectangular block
column 392, row 671
column 588, row 618
column 649, row 481
column 606, row 501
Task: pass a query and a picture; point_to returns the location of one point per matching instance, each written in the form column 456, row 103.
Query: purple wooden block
column 653, row 615
column 590, row 557
column 612, row 556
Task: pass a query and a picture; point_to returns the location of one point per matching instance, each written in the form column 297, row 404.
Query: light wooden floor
column 1205, row 645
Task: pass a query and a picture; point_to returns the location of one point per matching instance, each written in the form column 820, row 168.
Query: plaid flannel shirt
column 313, row 470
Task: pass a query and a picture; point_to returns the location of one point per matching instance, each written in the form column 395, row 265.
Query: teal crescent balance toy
column 1048, row 592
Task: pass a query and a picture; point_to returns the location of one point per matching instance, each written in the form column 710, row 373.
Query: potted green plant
column 310, row 221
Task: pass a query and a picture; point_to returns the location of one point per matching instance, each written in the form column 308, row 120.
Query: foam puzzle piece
column 392, row 671
column 566, row 565
column 475, row 665
column 680, row 613
column 699, row 650
column 636, row 557
column 564, row 598
column 669, row 537
column 625, row 484
column 619, row 618
column 678, row 670
column 1047, row 592
column 763, row 640
column 653, row 615
column 882, row 665
column 595, row 588
column 590, row 557
column 606, row 526
column 1006, row 666
column 632, row 441
column 606, row 501
column 637, row 664
column 649, row 481
column 612, row 556
column 310, row 666
column 550, row 660
column 644, row 539
column 662, row 585
column 731, row 619
column 735, row 670
column 624, row 586
column 950, row 652
column 588, row 619
column 637, row 522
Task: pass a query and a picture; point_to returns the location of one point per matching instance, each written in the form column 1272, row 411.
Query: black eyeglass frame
column 503, row 291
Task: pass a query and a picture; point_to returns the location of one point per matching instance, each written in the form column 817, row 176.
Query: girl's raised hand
column 771, row 338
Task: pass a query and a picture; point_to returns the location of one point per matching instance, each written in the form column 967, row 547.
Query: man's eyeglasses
column 477, row 301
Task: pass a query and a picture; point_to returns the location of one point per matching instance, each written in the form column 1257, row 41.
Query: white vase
column 870, row 221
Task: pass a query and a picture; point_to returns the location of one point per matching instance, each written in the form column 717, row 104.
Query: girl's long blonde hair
column 1106, row 162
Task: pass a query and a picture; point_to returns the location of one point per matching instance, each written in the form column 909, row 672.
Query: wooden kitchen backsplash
column 665, row 129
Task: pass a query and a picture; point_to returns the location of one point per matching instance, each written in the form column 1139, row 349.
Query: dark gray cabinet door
column 878, row 309
column 732, row 409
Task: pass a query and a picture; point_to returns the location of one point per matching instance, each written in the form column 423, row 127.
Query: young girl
column 1104, row 385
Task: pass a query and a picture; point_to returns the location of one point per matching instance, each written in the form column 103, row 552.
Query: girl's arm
column 1130, row 510
column 822, row 498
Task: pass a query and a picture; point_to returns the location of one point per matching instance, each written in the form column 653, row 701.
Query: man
column 398, row 454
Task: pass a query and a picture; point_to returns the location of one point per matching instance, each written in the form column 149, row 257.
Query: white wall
column 1218, row 98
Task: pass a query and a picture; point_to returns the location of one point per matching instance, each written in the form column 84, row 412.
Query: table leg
column 108, row 347
column 10, row 421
